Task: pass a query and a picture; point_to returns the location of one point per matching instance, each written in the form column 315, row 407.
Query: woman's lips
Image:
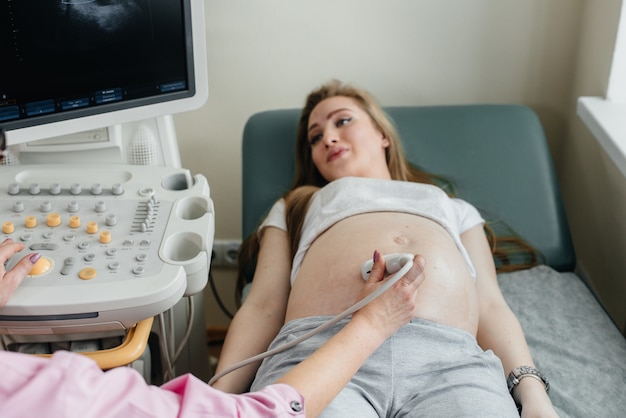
column 336, row 154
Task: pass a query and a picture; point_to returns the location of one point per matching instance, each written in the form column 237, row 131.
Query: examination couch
column 498, row 159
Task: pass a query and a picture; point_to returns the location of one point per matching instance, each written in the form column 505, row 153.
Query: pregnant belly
column 329, row 279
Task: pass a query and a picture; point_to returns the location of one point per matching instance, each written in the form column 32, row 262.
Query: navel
column 401, row 239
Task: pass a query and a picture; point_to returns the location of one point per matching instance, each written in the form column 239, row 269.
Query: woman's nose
column 330, row 137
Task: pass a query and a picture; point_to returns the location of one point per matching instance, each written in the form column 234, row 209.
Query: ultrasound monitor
column 106, row 75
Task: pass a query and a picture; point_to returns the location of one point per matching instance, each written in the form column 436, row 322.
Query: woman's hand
column 539, row 410
column 9, row 281
column 394, row 308
column 534, row 399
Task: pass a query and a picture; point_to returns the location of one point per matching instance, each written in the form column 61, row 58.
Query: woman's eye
column 315, row 139
column 343, row 121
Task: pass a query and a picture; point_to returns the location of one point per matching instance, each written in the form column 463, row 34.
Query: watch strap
column 521, row 372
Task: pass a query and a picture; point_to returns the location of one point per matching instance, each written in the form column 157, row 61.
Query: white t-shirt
column 351, row 196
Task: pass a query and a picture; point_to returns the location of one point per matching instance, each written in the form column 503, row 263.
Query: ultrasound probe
column 397, row 263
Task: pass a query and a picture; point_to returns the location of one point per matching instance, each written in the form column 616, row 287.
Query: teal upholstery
column 495, row 155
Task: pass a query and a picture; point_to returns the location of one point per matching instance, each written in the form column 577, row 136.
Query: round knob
column 30, row 222
column 75, row 189
column 74, row 221
column 45, row 206
column 14, row 189
column 87, row 273
column 146, row 191
column 18, row 206
column 141, row 257
column 55, row 189
column 111, row 219
column 34, row 189
column 101, row 206
column 92, row 228
column 89, row 257
column 72, row 207
column 117, row 189
column 105, row 237
column 53, row 219
column 8, row 227
column 96, row 189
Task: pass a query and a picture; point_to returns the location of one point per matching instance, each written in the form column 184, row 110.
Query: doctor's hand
column 394, row 308
column 10, row 280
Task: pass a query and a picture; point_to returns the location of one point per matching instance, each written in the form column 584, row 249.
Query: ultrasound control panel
column 118, row 244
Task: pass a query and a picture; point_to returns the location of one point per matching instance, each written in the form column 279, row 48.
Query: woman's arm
column 499, row 329
column 321, row 376
column 72, row 385
column 262, row 314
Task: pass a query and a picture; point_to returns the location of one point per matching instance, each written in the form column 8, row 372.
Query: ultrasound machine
column 91, row 178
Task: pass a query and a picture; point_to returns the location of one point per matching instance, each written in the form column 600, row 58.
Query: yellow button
column 87, row 273
column 42, row 266
column 53, row 219
column 105, row 237
column 74, row 221
column 8, row 227
column 92, row 227
column 30, row 222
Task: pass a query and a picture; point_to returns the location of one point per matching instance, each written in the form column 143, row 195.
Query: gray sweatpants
column 424, row 370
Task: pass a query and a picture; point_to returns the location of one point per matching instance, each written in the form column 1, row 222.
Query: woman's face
column 345, row 142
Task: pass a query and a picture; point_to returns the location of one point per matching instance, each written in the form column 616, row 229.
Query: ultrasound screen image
column 56, row 55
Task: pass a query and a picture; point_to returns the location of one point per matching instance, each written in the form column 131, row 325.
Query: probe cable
column 397, row 276
column 169, row 354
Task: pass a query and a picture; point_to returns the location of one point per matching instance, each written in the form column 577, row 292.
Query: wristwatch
column 521, row 372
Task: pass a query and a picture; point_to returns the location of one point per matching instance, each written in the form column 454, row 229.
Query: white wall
column 593, row 188
column 271, row 53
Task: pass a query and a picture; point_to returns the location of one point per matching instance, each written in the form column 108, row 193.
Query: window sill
column 607, row 122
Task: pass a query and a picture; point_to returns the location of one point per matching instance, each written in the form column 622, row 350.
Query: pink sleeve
column 71, row 385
